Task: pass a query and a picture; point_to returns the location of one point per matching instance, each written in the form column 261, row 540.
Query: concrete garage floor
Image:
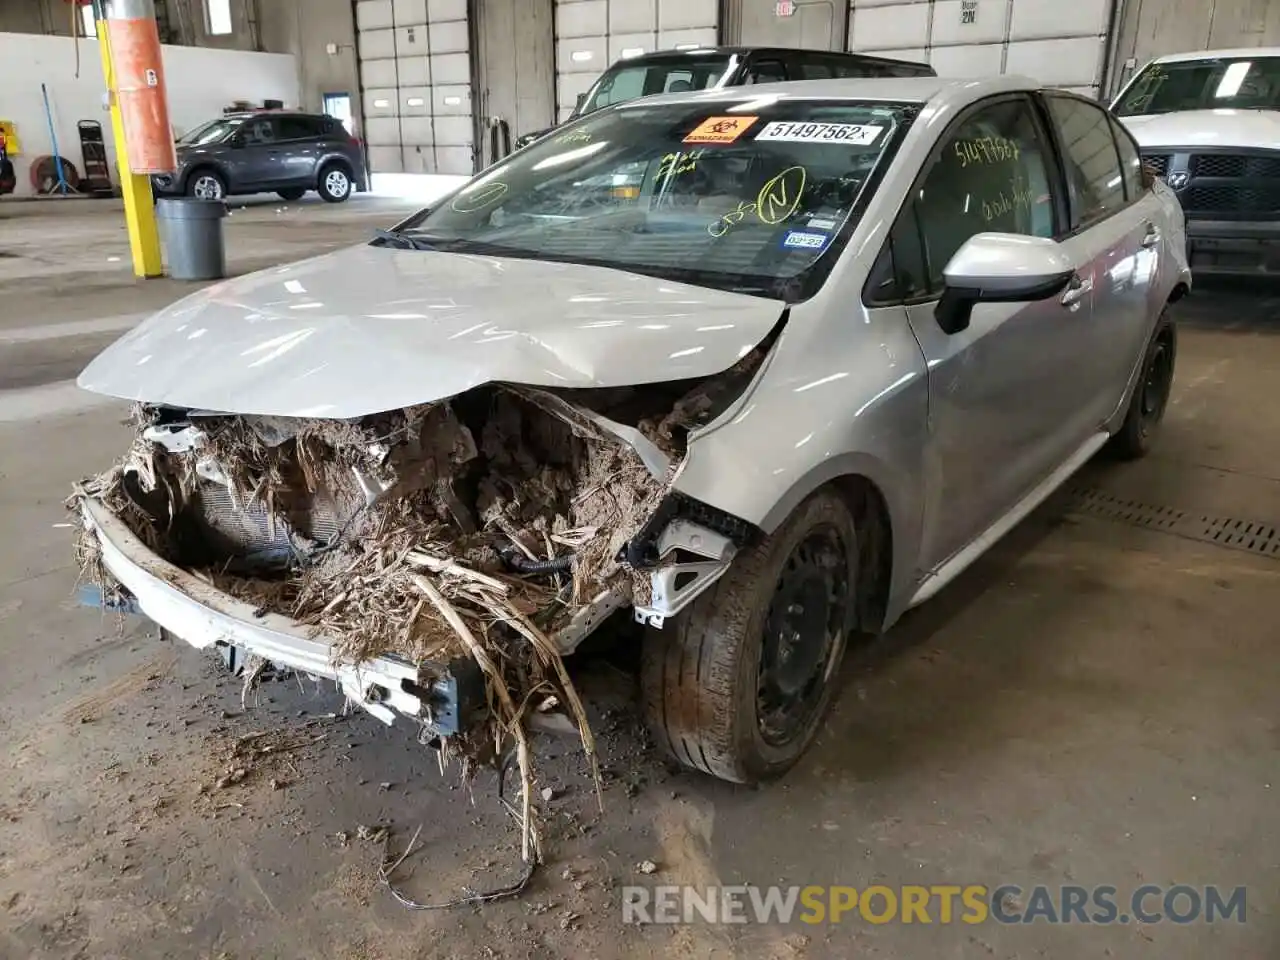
column 1094, row 703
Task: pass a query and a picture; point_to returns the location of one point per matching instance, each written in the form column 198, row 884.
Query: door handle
column 1152, row 237
column 1077, row 290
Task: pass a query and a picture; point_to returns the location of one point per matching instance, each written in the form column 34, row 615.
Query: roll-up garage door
column 803, row 24
column 415, row 78
column 592, row 34
column 1061, row 43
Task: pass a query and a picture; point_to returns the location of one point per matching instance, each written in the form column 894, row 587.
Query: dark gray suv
column 267, row 150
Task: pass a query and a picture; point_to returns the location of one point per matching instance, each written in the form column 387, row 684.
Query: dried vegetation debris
column 473, row 527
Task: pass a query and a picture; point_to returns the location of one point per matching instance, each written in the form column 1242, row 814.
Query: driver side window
column 259, row 131
column 992, row 174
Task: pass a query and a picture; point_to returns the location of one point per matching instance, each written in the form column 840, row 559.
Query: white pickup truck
column 1209, row 123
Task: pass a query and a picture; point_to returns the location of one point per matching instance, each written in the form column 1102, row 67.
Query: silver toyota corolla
column 836, row 337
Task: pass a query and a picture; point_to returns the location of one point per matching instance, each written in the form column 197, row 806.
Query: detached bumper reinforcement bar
column 204, row 616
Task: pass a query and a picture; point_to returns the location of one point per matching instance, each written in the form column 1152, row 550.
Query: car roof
column 908, row 89
column 268, row 112
column 1242, row 52
column 672, row 53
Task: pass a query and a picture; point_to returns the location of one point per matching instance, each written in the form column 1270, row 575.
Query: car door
column 1005, row 394
column 297, row 150
column 256, row 154
column 1114, row 226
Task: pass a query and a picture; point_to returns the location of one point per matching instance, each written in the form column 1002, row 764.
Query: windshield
column 623, row 82
column 1251, row 83
column 747, row 195
column 210, row 132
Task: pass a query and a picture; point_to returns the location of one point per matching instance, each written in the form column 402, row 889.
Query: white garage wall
column 200, row 82
column 1059, row 42
column 592, row 34
column 415, row 75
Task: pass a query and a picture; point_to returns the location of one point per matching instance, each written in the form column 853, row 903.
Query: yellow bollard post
column 139, row 207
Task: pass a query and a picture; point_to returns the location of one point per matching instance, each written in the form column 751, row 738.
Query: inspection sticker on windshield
column 720, row 129
column 805, row 240
column 857, row 134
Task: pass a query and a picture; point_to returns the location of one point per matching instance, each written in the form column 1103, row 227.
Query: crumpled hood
column 1207, row 128
column 369, row 329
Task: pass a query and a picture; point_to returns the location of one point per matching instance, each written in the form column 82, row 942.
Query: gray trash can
column 192, row 233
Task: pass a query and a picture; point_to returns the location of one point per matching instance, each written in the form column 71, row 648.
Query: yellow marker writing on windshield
column 721, row 226
column 486, row 195
column 676, row 163
column 779, row 197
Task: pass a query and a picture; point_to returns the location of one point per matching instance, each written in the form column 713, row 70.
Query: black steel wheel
column 738, row 684
column 802, row 633
column 1150, row 395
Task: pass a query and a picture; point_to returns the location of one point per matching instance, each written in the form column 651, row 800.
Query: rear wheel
column 335, row 183
column 737, row 685
column 1150, row 396
column 293, row 193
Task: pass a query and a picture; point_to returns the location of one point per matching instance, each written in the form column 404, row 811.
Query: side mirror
column 1000, row 268
column 582, row 98
column 237, row 140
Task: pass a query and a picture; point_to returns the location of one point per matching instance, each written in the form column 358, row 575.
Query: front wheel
column 737, row 685
column 335, row 184
column 206, row 185
column 1151, row 395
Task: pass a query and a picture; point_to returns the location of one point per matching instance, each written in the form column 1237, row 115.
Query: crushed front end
column 394, row 553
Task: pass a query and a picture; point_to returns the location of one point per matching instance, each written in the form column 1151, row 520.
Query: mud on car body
column 767, row 366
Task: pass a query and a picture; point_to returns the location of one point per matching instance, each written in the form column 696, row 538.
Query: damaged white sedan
column 765, row 365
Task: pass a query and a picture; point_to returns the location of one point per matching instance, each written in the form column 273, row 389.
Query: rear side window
column 1094, row 175
column 766, row 71
column 854, row 69
column 812, row 69
column 298, row 128
column 1130, row 160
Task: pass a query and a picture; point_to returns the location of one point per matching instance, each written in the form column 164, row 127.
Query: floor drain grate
column 1247, row 535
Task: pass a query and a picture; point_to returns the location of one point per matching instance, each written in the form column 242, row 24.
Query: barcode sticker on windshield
column 855, row 134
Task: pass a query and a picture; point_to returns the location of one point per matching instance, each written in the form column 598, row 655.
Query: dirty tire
column 334, row 183
column 1151, row 395
column 293, row 193
column 701, row 673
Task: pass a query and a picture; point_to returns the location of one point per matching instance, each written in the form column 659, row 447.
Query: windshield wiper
column 398, row 238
